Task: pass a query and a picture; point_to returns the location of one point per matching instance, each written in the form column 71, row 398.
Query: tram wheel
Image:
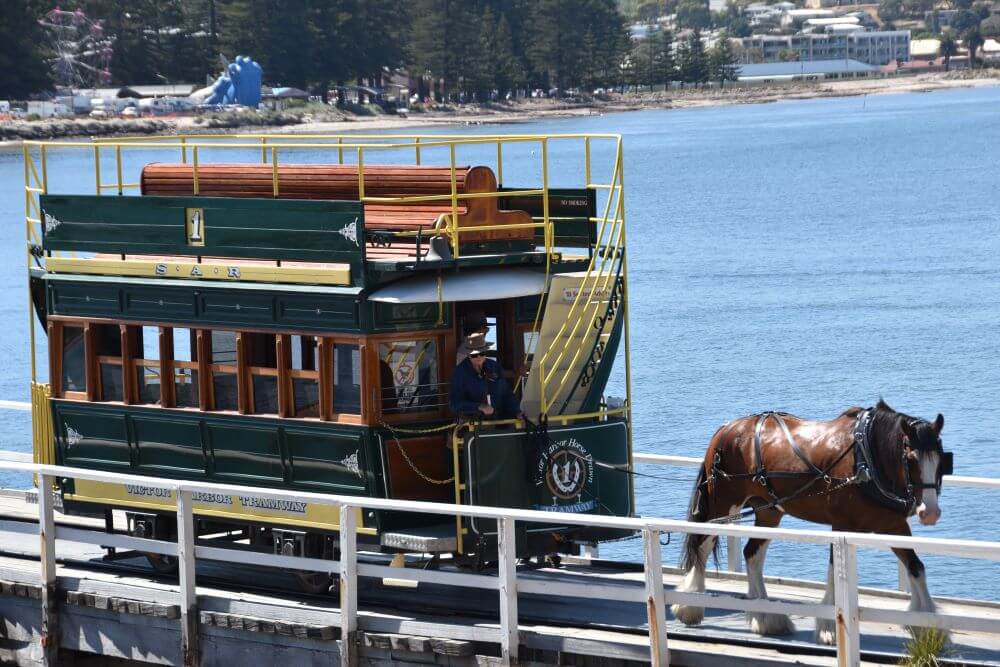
column 315, row 583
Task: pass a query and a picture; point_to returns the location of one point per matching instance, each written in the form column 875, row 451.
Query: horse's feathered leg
column 755, row 553
column 826, row 628
column 920, row 597
column 697, row 548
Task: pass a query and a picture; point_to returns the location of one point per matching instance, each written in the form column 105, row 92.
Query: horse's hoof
column 771, row 624
column 688, row 615
column 825, row 632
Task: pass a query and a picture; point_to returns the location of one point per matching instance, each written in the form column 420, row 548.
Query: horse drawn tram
column 290, row 312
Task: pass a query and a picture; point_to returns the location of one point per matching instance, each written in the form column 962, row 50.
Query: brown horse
column 866, row 470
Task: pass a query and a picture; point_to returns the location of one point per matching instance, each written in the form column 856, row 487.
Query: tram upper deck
column 285, row 321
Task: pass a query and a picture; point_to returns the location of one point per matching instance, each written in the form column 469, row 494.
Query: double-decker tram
column 289, row 312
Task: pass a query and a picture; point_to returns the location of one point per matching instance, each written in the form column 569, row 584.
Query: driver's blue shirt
column 469, row 388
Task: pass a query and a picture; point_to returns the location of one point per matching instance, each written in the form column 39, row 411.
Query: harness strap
column 762, row 476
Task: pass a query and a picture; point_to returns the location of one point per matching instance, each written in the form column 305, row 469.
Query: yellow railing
column 605, row 267
column 42, row 432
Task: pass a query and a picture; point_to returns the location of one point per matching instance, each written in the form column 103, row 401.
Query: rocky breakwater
column 56, row 129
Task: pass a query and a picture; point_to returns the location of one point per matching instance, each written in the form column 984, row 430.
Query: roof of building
column 803, row 68
column 809, row 13
column 835, row 20
column 169, row 90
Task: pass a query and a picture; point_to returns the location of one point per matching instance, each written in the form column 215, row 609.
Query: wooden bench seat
column 340, row 182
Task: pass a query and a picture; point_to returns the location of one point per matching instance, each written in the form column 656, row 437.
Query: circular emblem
column 564, row 475
column 566, row 468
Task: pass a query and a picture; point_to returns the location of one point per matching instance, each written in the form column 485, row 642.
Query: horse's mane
column 886, row 442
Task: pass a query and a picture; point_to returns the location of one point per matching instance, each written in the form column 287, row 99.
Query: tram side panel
column 575, row 469
column 180, row 445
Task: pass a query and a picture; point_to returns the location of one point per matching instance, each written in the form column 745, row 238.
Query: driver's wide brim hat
column 477, row 343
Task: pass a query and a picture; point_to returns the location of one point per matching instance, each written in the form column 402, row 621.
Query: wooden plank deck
column 593, row 627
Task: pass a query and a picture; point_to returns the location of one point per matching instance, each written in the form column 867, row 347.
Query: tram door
column 498, row 317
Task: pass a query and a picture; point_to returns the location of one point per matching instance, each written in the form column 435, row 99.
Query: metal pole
column 186, row 570
column 507, row 553
column 348, row 586
column 845, row 564
column 47, row 558
column 118, row 167
column 453, row 227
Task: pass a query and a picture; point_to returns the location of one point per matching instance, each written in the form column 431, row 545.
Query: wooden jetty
column 587, row 612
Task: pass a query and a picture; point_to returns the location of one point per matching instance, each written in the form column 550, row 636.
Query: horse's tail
column 697, row 512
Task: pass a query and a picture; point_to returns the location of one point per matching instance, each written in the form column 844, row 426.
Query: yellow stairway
column 566, row 342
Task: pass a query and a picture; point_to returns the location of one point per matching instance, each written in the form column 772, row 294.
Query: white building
column 872, row 48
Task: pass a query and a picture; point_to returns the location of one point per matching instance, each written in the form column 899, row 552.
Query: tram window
column 224, row 348
column 74, row 360
column 304, row 372
column 185, row 368
column 108, row 346
column 409, row 371
column 147, row 365
column 346, row 379
column 225, row 391
column 262, row 361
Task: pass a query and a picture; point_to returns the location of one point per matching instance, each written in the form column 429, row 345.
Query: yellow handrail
column 593, row 259
column 611, row 256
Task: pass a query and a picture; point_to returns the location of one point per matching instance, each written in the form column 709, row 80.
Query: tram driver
column 478, row 387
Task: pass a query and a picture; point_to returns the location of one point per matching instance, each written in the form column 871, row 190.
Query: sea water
column 803, row 256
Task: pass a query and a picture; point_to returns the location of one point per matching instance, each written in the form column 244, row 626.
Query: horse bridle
column 946, row 462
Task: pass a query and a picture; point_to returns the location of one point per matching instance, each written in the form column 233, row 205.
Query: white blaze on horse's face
column 929, row 511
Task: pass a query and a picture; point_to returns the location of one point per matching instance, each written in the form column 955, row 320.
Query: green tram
column 294, row 325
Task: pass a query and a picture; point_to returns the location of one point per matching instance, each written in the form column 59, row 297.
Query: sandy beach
column 523, row 111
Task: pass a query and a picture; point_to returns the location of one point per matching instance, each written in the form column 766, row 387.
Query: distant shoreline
column 533, row 110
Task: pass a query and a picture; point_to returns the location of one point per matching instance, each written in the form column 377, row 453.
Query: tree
column 693, row 60
column 665, row 64
column 964, row 20
column 990, row 26
column 973, row 40
column 948, row 48
column 22, row 68
column 693, row 14
column 890, row 10
column 733, row 20
column 789, row 55
column 496, row 68
column 722, row 61
column 440, row 45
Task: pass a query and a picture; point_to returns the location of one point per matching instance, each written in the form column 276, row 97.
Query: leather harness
column 866, row 471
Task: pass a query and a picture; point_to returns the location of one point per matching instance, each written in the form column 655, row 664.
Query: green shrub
column 925, row 648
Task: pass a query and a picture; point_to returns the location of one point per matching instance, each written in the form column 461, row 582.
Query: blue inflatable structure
column 239, row 84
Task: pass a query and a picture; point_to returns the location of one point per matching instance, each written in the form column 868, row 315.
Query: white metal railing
column 845, row 611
